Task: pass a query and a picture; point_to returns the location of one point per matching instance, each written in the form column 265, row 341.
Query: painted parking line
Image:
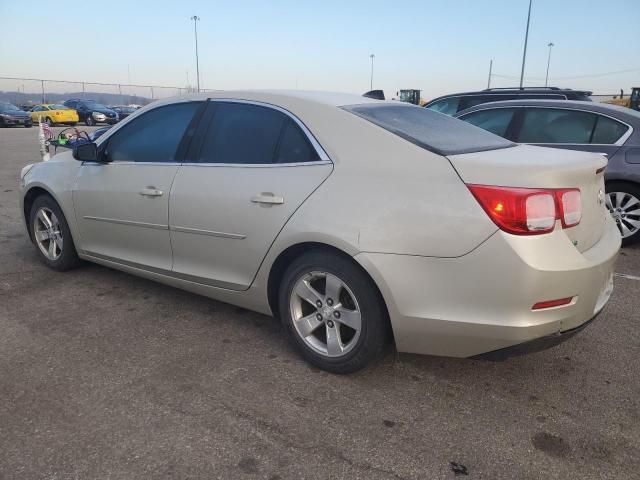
column 627, row 276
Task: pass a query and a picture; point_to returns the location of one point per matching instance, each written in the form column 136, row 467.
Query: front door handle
column 151, row 192
column 267, row 198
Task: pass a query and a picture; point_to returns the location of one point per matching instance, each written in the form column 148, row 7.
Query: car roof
column 334, row 99
column 520, row 91
column 619, row 112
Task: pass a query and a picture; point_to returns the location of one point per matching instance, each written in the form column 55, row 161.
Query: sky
column 437, row 46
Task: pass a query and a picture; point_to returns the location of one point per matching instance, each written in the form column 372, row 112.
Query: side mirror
column 86, row 152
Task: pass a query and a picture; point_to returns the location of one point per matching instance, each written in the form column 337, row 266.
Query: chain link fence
column 26, row 91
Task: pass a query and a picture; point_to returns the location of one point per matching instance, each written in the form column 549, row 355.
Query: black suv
column 91, row 112
column 454, row 103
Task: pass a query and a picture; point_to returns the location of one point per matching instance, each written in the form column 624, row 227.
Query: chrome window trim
column 320, row 151
column 620, row 142
column 446, row 97
column 324, row 157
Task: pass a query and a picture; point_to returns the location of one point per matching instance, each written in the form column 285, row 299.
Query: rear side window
column 294, row 146
column 253, row 134
column 549, row 125
column 446, row 105
column 495, row 121
column 153, row 136
column 430, row 130
column 608, row 131
column 239, row 133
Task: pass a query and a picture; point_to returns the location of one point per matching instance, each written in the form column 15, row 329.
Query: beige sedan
column 355, row 220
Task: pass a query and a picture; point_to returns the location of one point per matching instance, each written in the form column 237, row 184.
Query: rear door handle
column 151, row 192
column 267, row 198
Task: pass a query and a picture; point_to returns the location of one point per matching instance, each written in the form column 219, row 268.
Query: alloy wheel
column 625, row 209
column 48, row 233
column 325, row 313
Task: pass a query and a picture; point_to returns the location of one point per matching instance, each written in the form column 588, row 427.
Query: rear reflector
column 552, row 303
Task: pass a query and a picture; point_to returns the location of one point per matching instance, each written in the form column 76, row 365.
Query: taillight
column 529, row 211
column 570, row 203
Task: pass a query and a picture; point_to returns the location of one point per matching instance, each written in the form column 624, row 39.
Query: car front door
column 249, row 168
column 122, row 202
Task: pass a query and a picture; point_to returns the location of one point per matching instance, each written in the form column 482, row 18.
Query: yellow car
column 54, row 114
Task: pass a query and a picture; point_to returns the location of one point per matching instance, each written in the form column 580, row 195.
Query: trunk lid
column 539, row 167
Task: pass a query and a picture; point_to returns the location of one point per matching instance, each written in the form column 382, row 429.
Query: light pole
column 195, row 19
column 524, row 53
column 490, row 68
column 546, row 80
column 372, row 56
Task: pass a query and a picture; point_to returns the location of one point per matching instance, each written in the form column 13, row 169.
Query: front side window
column 253, row 134
column 152, row 137
column 608, row 131
column 495, row 121
column 446, row 105
column 550, row 125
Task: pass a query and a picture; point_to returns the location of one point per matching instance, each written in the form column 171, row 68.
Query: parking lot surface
column 104, row 375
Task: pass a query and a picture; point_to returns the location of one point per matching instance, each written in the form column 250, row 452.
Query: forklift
column 632, row 102
column 410, row 96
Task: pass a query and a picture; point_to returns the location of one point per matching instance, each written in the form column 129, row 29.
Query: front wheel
column 623, row 202
column 332, row 312
column 51, row 235
column 89, row 120
column 48, row 121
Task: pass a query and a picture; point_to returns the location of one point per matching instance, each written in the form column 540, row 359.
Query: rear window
column 430, row 130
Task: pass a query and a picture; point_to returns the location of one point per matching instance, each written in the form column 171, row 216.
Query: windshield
column 8, row 107
column 92, row 104
column 430, row 130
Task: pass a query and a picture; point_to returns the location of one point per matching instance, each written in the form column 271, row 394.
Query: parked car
column 451, row 104
column 12, row 115
column 54, row 114
column 590, row 127
column 91, row 112
column 346, row 216
column 122, row 110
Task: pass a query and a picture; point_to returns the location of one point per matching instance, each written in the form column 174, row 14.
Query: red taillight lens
column 570, row 203
column 521, row 211
column 529, row 211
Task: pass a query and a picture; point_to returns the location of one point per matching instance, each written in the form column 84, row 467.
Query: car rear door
column 122, row 206
column 247, row 171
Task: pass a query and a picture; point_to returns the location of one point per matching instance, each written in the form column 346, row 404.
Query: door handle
column 151, row 192
column 267, row 198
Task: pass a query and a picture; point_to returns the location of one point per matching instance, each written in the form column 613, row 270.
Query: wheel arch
column 29, row 197
column 284, row 259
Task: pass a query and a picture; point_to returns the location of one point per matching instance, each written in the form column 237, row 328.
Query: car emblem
column 600, row 197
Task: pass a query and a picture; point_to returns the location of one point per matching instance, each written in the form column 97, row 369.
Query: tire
column 623, row 202
column 67, row 257
column 354, row 348
column 88, row 120
column 49, row 122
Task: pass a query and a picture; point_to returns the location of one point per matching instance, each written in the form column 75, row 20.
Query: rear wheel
column 332, row 311
column 623, row 202
column 51, row 235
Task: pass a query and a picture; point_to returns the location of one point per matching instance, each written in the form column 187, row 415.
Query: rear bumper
column 535, row 345
column 482, row 302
